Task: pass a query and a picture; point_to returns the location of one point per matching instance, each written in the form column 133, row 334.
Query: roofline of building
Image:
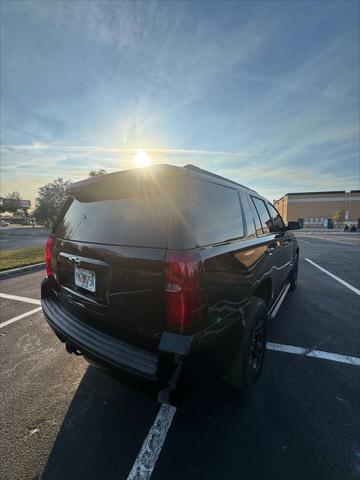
column 317, row 193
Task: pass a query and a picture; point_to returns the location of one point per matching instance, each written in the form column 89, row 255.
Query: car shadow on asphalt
column 102, row 432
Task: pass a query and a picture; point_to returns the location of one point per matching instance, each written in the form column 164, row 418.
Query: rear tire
column 294, row 274
column 245, row 369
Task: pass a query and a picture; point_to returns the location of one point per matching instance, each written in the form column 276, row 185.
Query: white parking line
column 335, row 357
column 333, row 241
column 300, row 239
column 337, row 241
column 355, row 290
column 20, row 299
column 19, row 317
column 148, row 455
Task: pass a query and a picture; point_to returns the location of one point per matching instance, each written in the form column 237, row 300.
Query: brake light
column 184, row 299
column 48, row 255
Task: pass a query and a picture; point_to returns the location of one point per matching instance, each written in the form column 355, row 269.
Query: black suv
column 168, row 272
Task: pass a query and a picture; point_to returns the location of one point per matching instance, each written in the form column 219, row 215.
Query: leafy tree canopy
column 13, row 196
column 339, row 215
column 98, row 172
column 49, row 201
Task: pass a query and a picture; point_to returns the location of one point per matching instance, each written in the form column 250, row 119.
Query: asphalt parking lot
column 61, row 419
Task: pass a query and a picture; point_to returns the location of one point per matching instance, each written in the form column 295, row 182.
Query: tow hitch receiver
column 71, row 349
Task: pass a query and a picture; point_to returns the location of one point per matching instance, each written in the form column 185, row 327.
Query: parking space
column 299, row 423
column 61, row 419
column 23, row 285
column 10, row 309
column 338, row 253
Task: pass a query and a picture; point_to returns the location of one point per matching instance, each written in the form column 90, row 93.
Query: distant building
column 11, row 204
column 317, row 207
column 15, row 211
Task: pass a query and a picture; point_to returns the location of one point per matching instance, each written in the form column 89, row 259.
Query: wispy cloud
column 87, row 149
column 244, row 89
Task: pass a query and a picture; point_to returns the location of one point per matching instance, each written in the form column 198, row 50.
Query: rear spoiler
column 123, row 184
column 75, row 187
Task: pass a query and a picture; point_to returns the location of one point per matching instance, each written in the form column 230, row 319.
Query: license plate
column 85, row 279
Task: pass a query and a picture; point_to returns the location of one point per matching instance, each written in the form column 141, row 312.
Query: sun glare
column 142, row 158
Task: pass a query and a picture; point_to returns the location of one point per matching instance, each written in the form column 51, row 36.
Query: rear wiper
column 84, row 217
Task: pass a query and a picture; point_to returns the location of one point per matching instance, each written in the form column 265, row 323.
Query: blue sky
column 266, row 93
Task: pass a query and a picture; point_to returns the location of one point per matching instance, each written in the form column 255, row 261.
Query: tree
column 97, row 173
column 339, row 215
column 49, row 201
column 13, row 196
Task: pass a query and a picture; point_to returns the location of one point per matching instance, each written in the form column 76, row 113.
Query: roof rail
column 193, row 168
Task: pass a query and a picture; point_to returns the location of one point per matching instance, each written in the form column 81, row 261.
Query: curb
column 326, row 232
column 19, row 271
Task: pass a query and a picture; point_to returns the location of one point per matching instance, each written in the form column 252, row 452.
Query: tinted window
column 278, row 223
column 263, row 214
column 217, row 213
column 140, row 221
column 250, row 227
column 258, row 227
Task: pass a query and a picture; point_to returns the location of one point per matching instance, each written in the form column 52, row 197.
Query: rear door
column 286, row 240
column 275, row 247
column 219, row 230
column 119, row 241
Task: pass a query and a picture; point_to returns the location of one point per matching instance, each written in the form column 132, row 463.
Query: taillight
column 183, row 295
column 48, row 255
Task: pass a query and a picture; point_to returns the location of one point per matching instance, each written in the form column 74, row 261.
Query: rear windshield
column 136, row 221
column 182, row 214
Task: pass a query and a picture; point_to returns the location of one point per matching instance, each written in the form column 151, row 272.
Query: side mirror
column 293, row 226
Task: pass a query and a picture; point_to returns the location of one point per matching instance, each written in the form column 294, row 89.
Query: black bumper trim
column 98, row 344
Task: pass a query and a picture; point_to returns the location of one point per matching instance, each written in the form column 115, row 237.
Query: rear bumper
column 97, row 345
column 165, row 372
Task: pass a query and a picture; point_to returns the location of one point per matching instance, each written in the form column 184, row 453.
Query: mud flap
column 177, row 346
column 231, row 374
column 235, row 374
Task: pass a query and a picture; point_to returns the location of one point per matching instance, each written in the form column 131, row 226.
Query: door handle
column 270, row 249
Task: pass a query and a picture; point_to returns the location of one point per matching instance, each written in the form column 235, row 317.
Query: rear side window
column 138, row 221
column 258, row 227
column 216, row 213
column 278, row 223
column 263, row 215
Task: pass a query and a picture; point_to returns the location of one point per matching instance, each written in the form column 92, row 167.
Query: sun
column 142, row 158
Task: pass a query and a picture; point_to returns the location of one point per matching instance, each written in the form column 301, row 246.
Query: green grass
column 19, row 257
